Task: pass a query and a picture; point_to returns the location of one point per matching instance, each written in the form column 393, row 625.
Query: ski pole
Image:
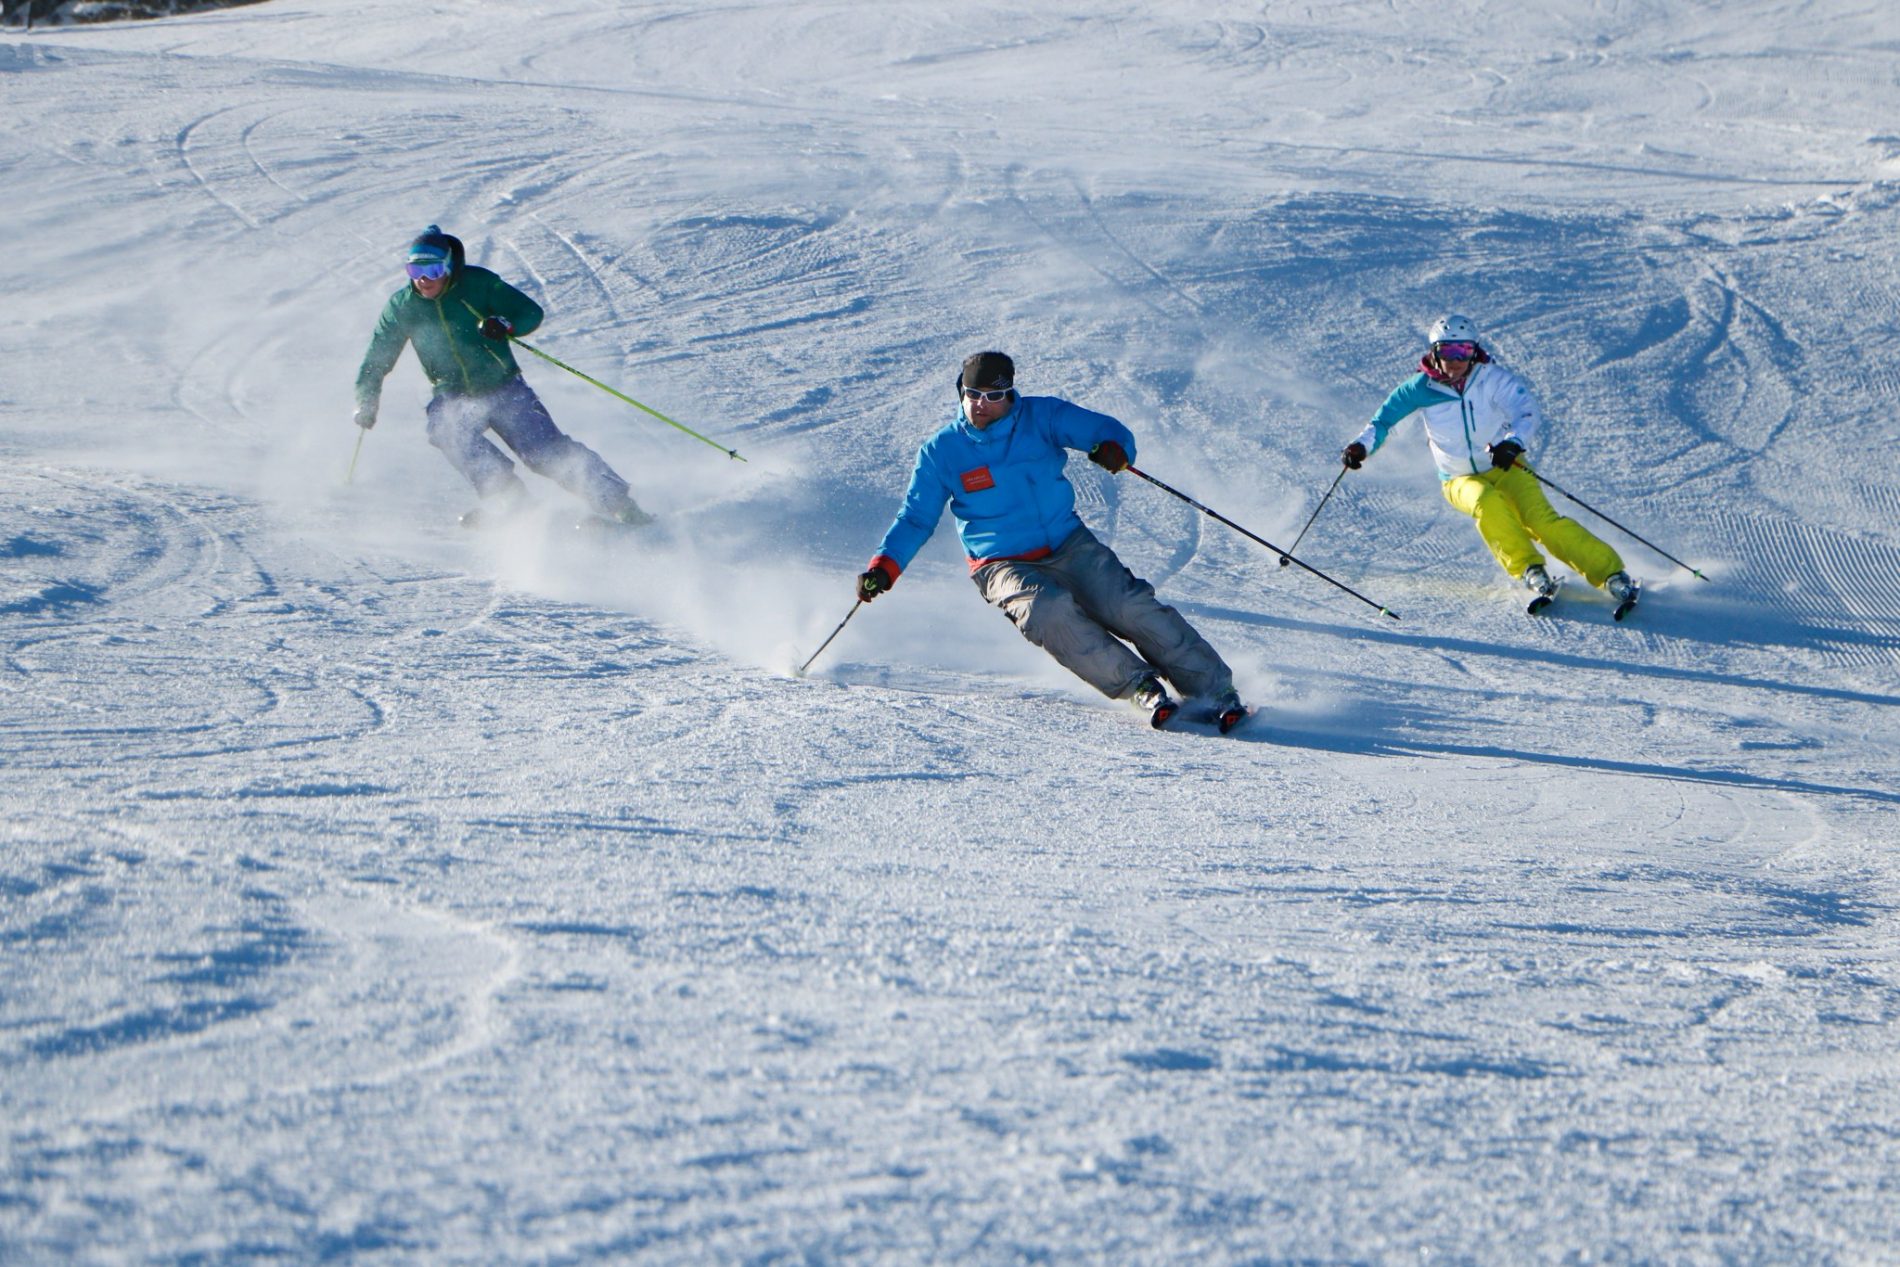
column 1215, row 515
column 1288, row 556
column 800, row 672
column 616, row 394
column 731, row 453
column 1619, row 527
column 349, row 476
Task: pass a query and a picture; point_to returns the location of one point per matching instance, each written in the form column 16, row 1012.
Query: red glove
column 1109, row 455
column 1353, row 455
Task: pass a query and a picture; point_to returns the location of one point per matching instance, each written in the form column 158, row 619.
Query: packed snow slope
column 376, row 892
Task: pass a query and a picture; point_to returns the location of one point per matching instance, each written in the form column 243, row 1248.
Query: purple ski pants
column 459, row 426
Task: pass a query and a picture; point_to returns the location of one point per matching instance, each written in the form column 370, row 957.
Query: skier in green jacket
column 460, row 318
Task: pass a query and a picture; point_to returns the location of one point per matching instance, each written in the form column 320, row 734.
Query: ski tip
column 601, row 526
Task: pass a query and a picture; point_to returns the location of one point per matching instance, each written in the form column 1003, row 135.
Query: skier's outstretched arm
column 923, row 506
column 385, row 345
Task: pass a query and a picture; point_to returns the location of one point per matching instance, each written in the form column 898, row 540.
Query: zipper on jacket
column 1469, row 418
column 468, row 384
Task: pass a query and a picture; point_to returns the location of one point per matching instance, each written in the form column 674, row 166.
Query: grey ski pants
column 1082, row 606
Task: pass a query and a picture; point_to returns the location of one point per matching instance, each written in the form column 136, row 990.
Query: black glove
column 1353, row 455
column 497, row 327
column 1110, row 456
column 1504, row 453
column 874, row 581
column 365, row 416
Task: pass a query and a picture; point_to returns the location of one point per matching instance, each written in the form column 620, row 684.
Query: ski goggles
column 427, row 270
column 1455, row 351
column 977, row 393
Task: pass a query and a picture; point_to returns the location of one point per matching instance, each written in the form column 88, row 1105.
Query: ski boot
column 1622, row 587
column 1543, row 589
column 1228, row 711
column 1153, row 699
column 627, row 514
column 495, row 508
column 614, row 521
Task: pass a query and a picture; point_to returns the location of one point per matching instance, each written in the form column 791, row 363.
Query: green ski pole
column 349, row 476
column 616, row 394
column 620, row 395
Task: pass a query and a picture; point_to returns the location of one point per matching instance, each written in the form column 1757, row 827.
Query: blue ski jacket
column 1005, row 483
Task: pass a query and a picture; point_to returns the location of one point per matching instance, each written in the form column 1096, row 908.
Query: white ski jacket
column 1495, row 405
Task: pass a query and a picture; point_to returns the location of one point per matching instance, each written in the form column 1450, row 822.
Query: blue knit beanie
column 433, row 246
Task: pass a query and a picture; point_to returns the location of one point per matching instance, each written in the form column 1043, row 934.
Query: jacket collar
column 1443, row 384
column 996, row 432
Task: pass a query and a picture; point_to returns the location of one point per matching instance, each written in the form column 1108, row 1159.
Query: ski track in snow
column 375, row 891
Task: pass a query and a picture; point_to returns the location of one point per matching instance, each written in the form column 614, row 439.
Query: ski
column 1539, row 602
column 607, row 529
column 621, row 524
column 482, row 517
column 1626, row 605
column 1163, row 714
column 1223, row 715
column 490, row 515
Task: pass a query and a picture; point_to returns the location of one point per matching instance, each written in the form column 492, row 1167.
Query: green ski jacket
column 458, row 358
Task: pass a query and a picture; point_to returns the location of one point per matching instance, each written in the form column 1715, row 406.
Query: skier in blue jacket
column 999, row 465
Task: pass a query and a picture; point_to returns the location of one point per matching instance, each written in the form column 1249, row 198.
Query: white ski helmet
column 1452, row 328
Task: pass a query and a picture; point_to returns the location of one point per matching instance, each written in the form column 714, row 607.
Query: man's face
column 429, row 278
column 984, row 407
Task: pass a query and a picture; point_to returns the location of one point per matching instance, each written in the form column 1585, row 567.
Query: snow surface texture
column 373, row 892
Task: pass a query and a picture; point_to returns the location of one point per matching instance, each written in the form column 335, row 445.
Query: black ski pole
column 800, row 672
column 1619, row 527
column 1216, row 515
column 1288, row 556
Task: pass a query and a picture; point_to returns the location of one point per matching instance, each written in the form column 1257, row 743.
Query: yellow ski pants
column 1514, row 516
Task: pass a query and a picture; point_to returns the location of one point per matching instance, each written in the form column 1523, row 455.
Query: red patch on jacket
column 978, row 480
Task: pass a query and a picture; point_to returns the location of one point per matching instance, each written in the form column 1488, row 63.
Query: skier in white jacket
column 1478, row 418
